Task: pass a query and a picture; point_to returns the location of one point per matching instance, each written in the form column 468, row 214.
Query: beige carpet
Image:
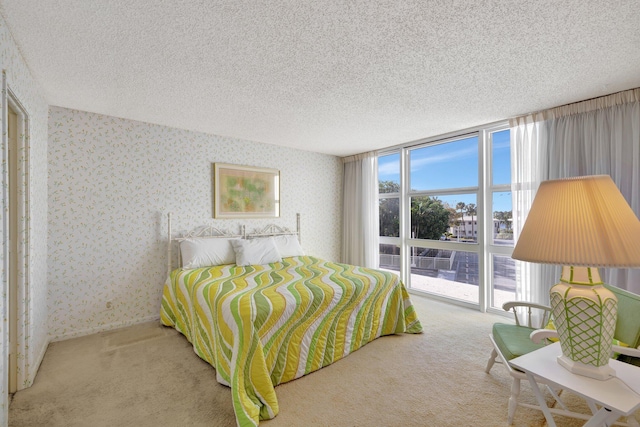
column 148, row 375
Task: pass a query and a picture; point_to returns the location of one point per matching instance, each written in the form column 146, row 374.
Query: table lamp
column 582, row 223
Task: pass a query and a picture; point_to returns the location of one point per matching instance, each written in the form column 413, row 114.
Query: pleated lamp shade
column 583, row 221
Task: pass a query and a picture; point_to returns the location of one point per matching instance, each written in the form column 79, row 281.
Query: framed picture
column 245, row 192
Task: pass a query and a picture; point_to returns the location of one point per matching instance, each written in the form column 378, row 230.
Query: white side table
column 617, row 397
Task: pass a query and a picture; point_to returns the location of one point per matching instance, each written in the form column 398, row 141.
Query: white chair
column 513, row 340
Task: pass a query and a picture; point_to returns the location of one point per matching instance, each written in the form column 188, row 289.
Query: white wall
column 33, row 330
column 111, row 183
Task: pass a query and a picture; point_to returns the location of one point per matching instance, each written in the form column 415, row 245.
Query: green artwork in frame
column 245, row 191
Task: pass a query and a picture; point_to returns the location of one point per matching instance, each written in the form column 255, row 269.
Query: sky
column 453, row 165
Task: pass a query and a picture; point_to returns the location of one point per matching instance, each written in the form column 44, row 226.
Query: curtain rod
column 579, row 107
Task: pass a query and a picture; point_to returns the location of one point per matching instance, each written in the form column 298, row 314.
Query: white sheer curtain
column 598, row 136
column 360, row 228
column 528, row 169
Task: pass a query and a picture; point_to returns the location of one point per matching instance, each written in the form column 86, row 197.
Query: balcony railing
column 431, row 263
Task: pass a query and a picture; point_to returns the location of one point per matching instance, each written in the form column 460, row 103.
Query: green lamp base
column 585, row 313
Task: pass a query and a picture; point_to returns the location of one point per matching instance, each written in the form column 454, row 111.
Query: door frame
column 22, row 309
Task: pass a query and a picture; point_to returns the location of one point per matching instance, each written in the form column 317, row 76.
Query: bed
column 260, row 324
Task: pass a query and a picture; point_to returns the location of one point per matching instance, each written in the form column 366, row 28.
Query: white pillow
column 207, row 252
column 288, row 246
column 256, row 251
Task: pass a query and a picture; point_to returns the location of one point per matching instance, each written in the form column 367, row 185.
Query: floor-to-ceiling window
column 442, row 194
column 502, row 268
column 389, row 202
column 445, row 216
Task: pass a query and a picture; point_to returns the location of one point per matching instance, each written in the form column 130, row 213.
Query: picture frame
column 245, row 191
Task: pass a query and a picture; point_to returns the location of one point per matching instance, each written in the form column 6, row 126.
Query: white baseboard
column 102, row 328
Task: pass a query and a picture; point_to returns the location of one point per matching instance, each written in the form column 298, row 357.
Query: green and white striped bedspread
column 263, row 325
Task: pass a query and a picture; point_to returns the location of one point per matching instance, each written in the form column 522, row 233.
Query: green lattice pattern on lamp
column 585, row 325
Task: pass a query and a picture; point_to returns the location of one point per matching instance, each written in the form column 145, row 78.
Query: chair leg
column 491, row 361
column 513, row 399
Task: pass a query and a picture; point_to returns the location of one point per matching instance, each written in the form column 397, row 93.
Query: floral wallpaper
column 111, row 184
column 32, row 299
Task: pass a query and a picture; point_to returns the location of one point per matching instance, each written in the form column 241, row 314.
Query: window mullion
column 405, row 217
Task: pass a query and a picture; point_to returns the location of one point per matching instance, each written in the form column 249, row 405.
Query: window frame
column 491, row 248
column 391, row 240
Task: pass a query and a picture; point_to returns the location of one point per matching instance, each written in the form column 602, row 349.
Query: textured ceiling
column 332, row 76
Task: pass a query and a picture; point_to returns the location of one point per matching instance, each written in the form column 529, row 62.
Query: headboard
column 209, row 231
